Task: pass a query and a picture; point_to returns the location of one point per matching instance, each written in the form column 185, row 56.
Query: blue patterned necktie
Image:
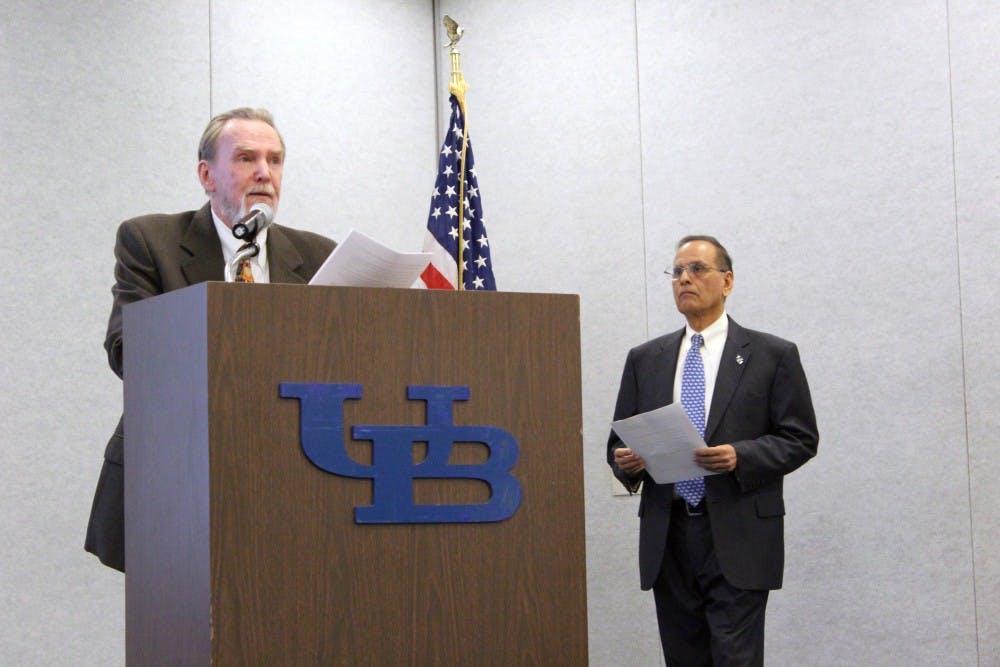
column 693, row 400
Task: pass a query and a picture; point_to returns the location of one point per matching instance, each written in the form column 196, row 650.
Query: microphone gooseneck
column 255, row 221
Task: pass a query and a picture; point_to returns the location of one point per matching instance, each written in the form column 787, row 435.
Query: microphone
column 257, row 220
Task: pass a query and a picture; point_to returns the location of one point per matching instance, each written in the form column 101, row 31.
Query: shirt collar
column 231, row 244
column 712, row 335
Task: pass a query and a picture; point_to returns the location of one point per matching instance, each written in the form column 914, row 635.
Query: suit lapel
column 283, row 260
column 204, row 249
column 666, row 363
column 204, row 262
column 735, row 356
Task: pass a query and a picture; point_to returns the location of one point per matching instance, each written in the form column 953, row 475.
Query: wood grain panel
column 294, row 580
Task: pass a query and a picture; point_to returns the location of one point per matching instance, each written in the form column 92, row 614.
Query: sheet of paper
column 361, row 261
column 665, row 438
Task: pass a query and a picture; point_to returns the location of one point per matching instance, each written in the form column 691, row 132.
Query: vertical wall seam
column 642, row 180
column 961, row 330
column 435, row 12
column 211, row 110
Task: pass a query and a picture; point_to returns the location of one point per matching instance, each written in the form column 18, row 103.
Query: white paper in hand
column 361, row 261
column 665, row 439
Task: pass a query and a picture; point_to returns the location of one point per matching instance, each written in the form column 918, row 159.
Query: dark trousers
column 703, row 620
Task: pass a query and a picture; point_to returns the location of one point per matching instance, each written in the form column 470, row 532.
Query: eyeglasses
column 694, row 269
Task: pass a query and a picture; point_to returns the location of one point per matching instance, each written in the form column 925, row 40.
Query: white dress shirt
column 713, row 342
column 231, row 245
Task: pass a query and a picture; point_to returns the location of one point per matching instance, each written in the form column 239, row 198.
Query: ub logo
column 392, row 470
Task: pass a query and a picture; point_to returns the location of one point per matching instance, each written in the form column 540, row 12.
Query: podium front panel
column 293, row 577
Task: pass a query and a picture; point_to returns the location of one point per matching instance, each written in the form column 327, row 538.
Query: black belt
column 681, row 505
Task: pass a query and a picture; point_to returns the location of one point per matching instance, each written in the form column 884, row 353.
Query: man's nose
column 262, row 172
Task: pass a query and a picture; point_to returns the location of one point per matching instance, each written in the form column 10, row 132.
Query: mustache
column 260, row 190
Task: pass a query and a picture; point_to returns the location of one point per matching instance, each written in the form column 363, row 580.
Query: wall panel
column 975, row 62
column 554, row 123
column 102, row 105
column 815, row 140
column 351, row 85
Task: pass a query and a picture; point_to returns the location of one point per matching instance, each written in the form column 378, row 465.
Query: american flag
column 441, row 239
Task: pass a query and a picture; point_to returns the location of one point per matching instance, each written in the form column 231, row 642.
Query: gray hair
column 722, row 255
column 210, row 137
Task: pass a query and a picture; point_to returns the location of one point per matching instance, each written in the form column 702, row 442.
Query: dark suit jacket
column 761, row 406
column 157, row 254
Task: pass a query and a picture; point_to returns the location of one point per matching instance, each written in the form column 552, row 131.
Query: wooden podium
column 241, row 551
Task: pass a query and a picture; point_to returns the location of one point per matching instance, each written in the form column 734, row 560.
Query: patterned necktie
column 246, row 272
column 693, row 400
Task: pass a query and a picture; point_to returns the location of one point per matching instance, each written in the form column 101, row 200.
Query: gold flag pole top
column 457, row 87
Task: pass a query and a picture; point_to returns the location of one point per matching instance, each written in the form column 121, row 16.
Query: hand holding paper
column 666, row 440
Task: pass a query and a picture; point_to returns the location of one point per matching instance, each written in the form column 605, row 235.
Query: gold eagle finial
column 454, row 31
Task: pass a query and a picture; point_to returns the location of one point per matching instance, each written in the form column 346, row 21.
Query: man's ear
column 205, row 176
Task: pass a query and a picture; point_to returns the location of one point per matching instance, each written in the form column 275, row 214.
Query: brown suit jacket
column 156, row 254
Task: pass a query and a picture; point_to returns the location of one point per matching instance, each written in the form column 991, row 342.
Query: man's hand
column 718, row 458
column 629, row 462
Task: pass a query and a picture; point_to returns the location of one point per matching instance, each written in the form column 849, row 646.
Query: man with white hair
column 240, row 160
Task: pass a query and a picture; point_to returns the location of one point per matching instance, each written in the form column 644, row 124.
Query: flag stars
column 456, row 211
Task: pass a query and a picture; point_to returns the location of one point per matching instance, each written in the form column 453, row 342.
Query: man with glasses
column 711, row 548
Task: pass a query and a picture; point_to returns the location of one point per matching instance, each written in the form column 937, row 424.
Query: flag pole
column 453, row 264
column 457, row 87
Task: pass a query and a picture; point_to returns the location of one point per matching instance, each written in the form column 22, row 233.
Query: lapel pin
column 739, row 359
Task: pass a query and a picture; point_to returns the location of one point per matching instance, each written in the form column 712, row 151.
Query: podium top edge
column 218, row 284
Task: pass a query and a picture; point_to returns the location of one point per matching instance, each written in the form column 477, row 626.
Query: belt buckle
column 690, row 509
